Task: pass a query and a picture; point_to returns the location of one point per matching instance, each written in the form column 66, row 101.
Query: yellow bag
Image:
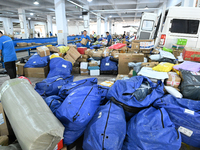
column 48, row 45
column 63, row 49
column 178, row 72
column 163, row 67
column 54, row 56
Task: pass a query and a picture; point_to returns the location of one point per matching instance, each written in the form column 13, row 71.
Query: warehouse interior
column 99, row 75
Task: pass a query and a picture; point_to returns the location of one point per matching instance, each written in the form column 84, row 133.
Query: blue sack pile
column 184, row 113
column 108, row 65
column 36, row 61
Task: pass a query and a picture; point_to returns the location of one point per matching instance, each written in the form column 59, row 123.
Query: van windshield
column 147, row 25
column 184, row 26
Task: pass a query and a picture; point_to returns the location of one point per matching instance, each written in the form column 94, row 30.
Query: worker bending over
column 85, row 36
column 7, row 50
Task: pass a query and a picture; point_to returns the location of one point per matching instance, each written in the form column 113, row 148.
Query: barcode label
column 185, row 131
column 189, row 111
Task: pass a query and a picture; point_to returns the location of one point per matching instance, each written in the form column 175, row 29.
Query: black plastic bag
column 190, row 85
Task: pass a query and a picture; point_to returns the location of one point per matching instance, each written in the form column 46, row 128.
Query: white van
column 147, row 26
column 181, row 22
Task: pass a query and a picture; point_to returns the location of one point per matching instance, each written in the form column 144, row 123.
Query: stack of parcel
column 155, row 105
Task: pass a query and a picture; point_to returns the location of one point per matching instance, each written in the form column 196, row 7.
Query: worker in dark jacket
column 109, row 38
column 7, row 50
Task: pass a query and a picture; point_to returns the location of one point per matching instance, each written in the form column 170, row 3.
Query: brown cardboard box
column 29, row 44
column 81, row 60
column 120, row 76
column 135, row 46
column 124, row 59
column 84, row 56
column 64, row 148
column 174, row 80
column 84, row 72
column 73, row 53
column 20, row 68
column 76, row 70
column 177, row 53
column 93, row 63
column 116, row 55
column 3, row 122
column 87, row 51
column 23, row 44
column 149, row 64
column 84, row 41
column 37, row 72
column 145, row 51
column 133, row 51
column 106, row 52
column 155, row 51
column 4, row 141
column 97, row 53
column 123, row 48
column 54, row 49
column 69, row 58
column 43, row 51
column 71, row 45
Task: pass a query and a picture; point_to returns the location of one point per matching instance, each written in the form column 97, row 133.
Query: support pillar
column 99, row 24
column 8, row 26
column 86, row 19
column 188, row 3
column 61, row 21
column 49, row 25
column 105, row 26
column 110, row 26
column 23, row 23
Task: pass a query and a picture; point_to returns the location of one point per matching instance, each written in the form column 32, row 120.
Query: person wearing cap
column 7, row 51
column 85, row 36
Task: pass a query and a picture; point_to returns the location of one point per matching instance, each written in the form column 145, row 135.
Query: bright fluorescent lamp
column 54, row 17
column 31, row 14
column 36, row 2
column 89, row 0
column 29, row 18
column 146, row 7
column 80, row 16
column 110, row 16
column 67, row 20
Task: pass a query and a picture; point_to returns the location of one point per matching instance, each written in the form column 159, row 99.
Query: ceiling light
column 67, row 20
column 36, row 2
column 89, row 0
column 80, row 17
column 54, row 17
column 146, row 7
column 29, row 18
column 110, row 16
column 31, row 14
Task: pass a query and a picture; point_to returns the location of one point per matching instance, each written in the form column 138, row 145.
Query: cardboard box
column 107, row 83
column 93, row 63
column 177, row 53
column 43, row 51
column 84, row 65
column 97, row 53
column 69, row 58
column 130, row 73
column 81, row 60
column 37, row 72
column 174, row 80
column 23, row 44
column 123, row 48
column 77, row 64
column 149, row 64
column 29, row 44
column 20, row 68
column 3, row 122
column 54, row 49
column 71, row 45
column 4, row 141
column 133, row 51
column 87, row 51
column 94, row 72
column 64, row 148
column 106, row 52
column 84, row 41
column 73, row 53
column 145, row 51
column 120, row 76
column 135, row 46
column 76, row 70
column 191, row 54
column 124, row 59
column 84, row 72
column 84, row 56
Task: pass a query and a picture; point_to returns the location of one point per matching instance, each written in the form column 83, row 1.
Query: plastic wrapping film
column 34, row 125
column 11, row 147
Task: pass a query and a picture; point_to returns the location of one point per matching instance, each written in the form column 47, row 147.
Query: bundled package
column 32, row 121
column 174, row 80
column 84, row 41
column 43, row 51
column 54, row 49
